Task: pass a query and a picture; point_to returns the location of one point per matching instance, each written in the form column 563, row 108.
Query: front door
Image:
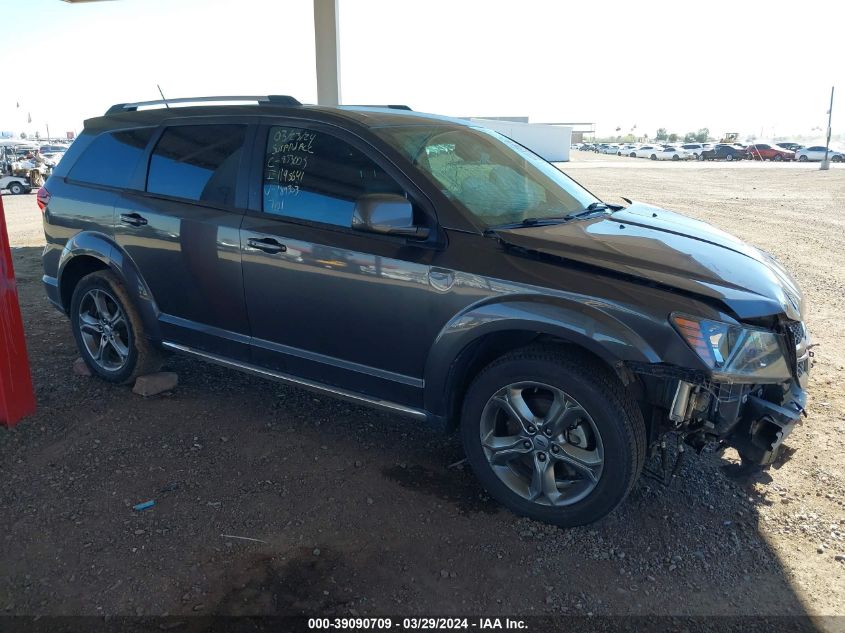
column 325, row 302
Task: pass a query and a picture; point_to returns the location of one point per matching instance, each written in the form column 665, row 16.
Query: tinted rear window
column 111, row 159
column 197, row 162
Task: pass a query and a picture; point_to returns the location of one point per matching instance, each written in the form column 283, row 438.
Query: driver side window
column 317, row 177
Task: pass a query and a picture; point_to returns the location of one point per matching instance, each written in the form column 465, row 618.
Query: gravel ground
column 357, row 512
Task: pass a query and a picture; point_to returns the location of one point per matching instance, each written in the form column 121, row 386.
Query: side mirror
column 388, row 214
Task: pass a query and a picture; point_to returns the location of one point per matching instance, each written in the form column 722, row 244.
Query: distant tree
column 703, row 135
column 673, row 137
column 689, row 137
column 37, row 135
column 661, row 135
column 23, row 135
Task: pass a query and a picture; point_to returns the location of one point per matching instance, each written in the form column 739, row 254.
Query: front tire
column 16, row 188
column 553, row 435
column 729, row 157
column 802, row 158
column 109, row 331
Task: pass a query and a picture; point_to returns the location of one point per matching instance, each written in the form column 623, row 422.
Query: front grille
column 797, row 332
column 800, row 340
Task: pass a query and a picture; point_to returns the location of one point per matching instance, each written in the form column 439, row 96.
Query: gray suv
column 430, row 268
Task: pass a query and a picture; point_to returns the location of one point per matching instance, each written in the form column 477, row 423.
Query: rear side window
column 315, row 176
column 111, row 159
column 197, row 162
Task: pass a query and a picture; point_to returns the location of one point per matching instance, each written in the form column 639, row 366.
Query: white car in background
column 608, row 149
column 696, row 148
column 816, row 153
column 646, row 151
column 670, row 152
column 625, row 150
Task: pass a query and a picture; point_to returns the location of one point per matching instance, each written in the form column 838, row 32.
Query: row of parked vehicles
column 25, row 166
column 716, row 151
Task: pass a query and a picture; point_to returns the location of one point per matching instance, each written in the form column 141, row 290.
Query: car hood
column 663, row 247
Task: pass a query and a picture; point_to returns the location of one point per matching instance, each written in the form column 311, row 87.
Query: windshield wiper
column 592, row 208
column 550, row 219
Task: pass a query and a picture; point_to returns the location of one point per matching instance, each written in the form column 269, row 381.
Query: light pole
column 826, row 162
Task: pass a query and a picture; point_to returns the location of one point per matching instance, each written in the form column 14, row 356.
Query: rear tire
column 16, row 188
column 802, row 158
column 594, row 448
column 837, row 159
column 777, row 158
column 729, row 157
column 109, row 331
column 653, row 157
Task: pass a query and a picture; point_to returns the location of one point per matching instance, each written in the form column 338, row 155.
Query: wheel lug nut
column 541, row 457
column 548, row 432
column 555, row 449
column 526, row 444
column 531, row 429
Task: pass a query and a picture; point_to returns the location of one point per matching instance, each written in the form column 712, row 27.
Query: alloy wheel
column 104, row 329
column 541, row 443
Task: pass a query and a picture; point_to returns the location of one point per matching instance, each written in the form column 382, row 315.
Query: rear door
column 181, row 231
column 325, row 302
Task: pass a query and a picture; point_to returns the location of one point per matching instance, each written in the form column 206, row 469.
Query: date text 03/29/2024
column 422, row 623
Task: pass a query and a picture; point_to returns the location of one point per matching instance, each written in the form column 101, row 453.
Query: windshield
column 492, row 178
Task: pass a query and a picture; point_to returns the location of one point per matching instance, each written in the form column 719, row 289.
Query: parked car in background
column 646, row 151
column 494, row 297
column 696, row 148
column 625, row 150
column 793, row 147
column 608, row 149
column 670, row 152
column 51, row 149
column 764, row 151
column 723, row 151
column 816, row 153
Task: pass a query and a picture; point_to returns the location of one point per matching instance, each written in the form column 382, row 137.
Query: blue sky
column 755, row 67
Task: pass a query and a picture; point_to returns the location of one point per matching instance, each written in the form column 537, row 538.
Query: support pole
column 327, row 48
column 16, row 396
column 826, row 162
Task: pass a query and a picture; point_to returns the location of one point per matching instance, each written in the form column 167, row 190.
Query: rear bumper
column 51, row 288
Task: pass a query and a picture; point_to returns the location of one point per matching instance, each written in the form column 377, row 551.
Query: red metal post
column 17, row 398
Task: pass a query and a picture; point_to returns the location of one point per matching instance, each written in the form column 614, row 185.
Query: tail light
column 43, row 198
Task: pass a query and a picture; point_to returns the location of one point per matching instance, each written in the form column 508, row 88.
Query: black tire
column 653, row 157
column 802, row 158
column 142, row 358
column 778, row 158
column 632, row 155
column 676, row 157
column 16, row 188
column 613, row 411
column 729, row 157
column 837, row 159
column 701, row 157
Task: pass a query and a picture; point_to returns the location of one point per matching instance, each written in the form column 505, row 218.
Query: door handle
column 266, row 244
column 134, row 219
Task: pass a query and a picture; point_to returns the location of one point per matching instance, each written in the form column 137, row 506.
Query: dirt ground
column 357, row 512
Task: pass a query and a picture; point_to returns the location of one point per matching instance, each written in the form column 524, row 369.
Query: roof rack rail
column 394, row 106
column 283, row 100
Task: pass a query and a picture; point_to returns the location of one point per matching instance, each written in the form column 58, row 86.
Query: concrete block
column 80, row 368
column 153, row 384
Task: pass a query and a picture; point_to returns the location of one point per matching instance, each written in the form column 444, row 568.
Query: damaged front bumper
column 765, row 425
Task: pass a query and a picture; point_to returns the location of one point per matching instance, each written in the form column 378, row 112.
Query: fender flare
column 104, row 249
column 590, row 327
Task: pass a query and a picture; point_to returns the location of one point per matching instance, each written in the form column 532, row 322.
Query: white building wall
column 549, row 141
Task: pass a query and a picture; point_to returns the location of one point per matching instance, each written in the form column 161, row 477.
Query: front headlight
column 734, row 350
